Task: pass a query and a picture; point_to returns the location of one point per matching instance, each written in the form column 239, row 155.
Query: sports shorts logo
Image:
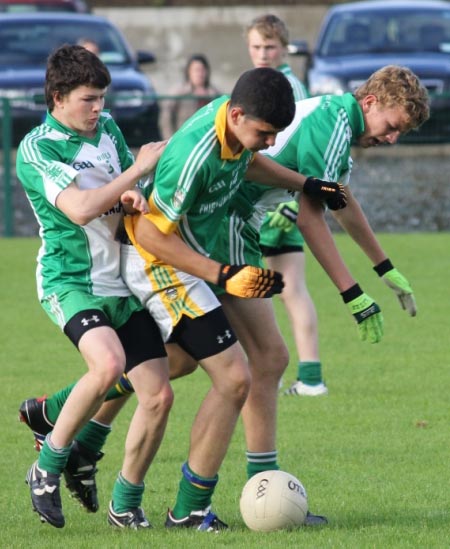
column 222, row 338
column 86, row 321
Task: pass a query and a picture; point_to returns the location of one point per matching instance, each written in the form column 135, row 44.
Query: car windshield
column 399, row 31
column 28, row 45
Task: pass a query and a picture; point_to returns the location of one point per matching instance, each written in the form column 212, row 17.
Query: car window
column 30, row 45
column 365, row 32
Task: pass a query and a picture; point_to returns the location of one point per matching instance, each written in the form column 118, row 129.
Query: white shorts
column 165, row 292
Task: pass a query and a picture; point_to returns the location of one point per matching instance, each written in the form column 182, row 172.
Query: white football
column 273, row 500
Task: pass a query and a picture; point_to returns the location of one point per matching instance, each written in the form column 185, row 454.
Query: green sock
column 93, row 435
column 53, row 459
column 310, row 373
column 126, row 495
column 194, row 493
column 261, row 461
column 54, row 404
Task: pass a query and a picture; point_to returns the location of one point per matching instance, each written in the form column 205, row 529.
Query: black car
column 26, row 41
column 356, row 39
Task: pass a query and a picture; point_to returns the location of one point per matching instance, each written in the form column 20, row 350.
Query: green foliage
column 373, row 454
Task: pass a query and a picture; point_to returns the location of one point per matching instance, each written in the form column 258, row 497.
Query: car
column 16, row 6
column 355, row 39
column 28, row 38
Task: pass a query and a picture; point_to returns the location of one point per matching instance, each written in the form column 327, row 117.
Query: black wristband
column 383, row 267
column 352, row 293
column 224, row 269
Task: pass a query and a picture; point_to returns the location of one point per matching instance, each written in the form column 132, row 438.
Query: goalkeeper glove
column 366, row 312
column 285, row 216
column 333, row 194
column 248, row 281
column 397, row 282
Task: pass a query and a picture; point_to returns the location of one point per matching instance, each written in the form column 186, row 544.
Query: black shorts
column 268, row 251
column 140, row 336
column 204, row 336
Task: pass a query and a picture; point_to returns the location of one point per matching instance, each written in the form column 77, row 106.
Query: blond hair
column 396, row 86
column 269, row 26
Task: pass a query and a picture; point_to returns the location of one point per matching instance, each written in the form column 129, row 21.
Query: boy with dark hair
column 199, row 172
column 78, row 174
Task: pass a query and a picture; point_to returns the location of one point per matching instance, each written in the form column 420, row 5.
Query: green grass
column 373, row 454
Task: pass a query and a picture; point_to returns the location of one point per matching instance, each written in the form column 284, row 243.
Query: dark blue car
column 27, row 39
column 356, row 39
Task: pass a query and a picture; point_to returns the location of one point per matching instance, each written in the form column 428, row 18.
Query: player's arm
column 268, row 172
column 82, row 206
column 240, row 280
column 353, row 220
column 317, row 234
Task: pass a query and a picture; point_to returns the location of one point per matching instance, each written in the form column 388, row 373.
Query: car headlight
column 324, row 84
column 132, row 99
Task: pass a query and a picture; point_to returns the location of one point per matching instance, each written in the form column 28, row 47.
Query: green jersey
column 316, row 143
column 196, row 178
column 299, row 89
column 74, row 257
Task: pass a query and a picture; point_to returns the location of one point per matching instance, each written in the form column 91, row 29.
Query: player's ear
column 368, row 101
column 236, row 113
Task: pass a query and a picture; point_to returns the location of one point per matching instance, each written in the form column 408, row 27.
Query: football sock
column 126, row 495
column 121, row 388
column 194, row 493
column 261, row 461
column 93, row 435
column 310, row 373
column 54, row 404
column 51, row 459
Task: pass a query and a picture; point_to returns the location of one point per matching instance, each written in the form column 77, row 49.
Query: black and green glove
column 248, row 281
column 333, row 194
column 366, row 313
column 285, row 216
column 397, row 282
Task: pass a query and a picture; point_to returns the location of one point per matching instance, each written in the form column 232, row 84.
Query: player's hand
column 248, row 281
column 285, row 216
column 397, row 282
column 134, row 202
column 148, row 156
column 366, row 313
column 333, row 194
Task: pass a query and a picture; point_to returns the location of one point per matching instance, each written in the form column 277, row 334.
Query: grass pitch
column 373, row 454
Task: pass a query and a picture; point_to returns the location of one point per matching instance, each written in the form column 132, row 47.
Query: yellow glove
column 248, row 281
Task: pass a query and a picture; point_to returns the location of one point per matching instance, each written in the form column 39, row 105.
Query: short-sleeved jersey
column 317, row 143
column 74, row 257
column 299, row 89
column 196, row 177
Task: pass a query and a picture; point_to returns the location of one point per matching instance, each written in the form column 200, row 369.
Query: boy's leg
column 210, row 339
column 145, row 433
column 255, row 325
column 303, row 317
column 104, row 356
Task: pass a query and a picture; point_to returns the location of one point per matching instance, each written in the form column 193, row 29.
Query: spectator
column 196, row 83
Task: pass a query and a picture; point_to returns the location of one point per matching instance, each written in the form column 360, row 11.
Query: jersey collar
column 51, row 121
column 355, row 115
column 220, row 123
